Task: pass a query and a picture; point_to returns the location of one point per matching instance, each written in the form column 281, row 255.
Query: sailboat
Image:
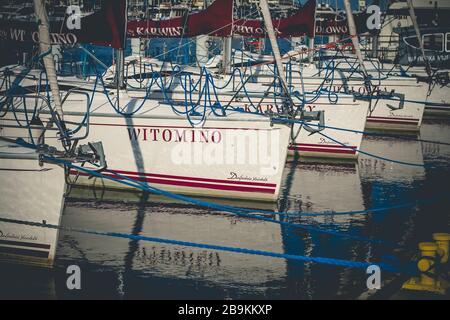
column 433, row 28
column 395, row 103
column 196, row 149
column 397, row 54
column 32, row 185
column 236, row 91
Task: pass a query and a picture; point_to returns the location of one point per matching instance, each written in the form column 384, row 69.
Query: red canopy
column 105, row 27
column 300, row 24
column 216, row 20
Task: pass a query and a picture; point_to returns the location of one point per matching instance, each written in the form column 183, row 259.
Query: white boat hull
column 29, row 192
column 408, row 118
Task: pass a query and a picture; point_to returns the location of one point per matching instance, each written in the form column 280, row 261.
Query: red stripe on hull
column 323, row 150
column 247, row 183
column 193, row 184
column 323, row 146
column 393, row 118
column 393, row 122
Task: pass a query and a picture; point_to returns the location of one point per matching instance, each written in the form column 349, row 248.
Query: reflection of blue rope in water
column 321, row 260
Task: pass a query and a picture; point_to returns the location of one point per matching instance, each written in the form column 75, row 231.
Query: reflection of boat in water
column 316, row 186
column 320, row 186
column 435, row 130
column 396, row 149
column 206, row 268
column 104, row 194
column 173, row 221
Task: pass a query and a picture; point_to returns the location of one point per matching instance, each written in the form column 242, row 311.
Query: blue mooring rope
column 322, row 260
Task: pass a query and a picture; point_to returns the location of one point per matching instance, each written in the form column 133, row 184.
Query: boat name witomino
column 175, row 135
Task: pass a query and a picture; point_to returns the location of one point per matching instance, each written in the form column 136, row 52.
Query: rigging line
column 318, row 48
column 185, row 23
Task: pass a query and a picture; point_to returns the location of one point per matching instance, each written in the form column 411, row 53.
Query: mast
column 375, row 46
column 419, row 38
column 227, row 47
column 376, row 34
column 276, row 51
column 311, row 49
column 311, row 41
column 45, row 48
column 120, row 69
column 226, row 59
column 354, row 35
column 119, row 78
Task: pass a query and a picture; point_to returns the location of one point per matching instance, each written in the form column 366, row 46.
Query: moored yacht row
column 191, row 130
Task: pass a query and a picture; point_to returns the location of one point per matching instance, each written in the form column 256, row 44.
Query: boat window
column 434, row 42
column 447, row 42
column 412, row 41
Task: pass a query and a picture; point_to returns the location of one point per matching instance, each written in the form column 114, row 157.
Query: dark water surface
column 123, row 268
